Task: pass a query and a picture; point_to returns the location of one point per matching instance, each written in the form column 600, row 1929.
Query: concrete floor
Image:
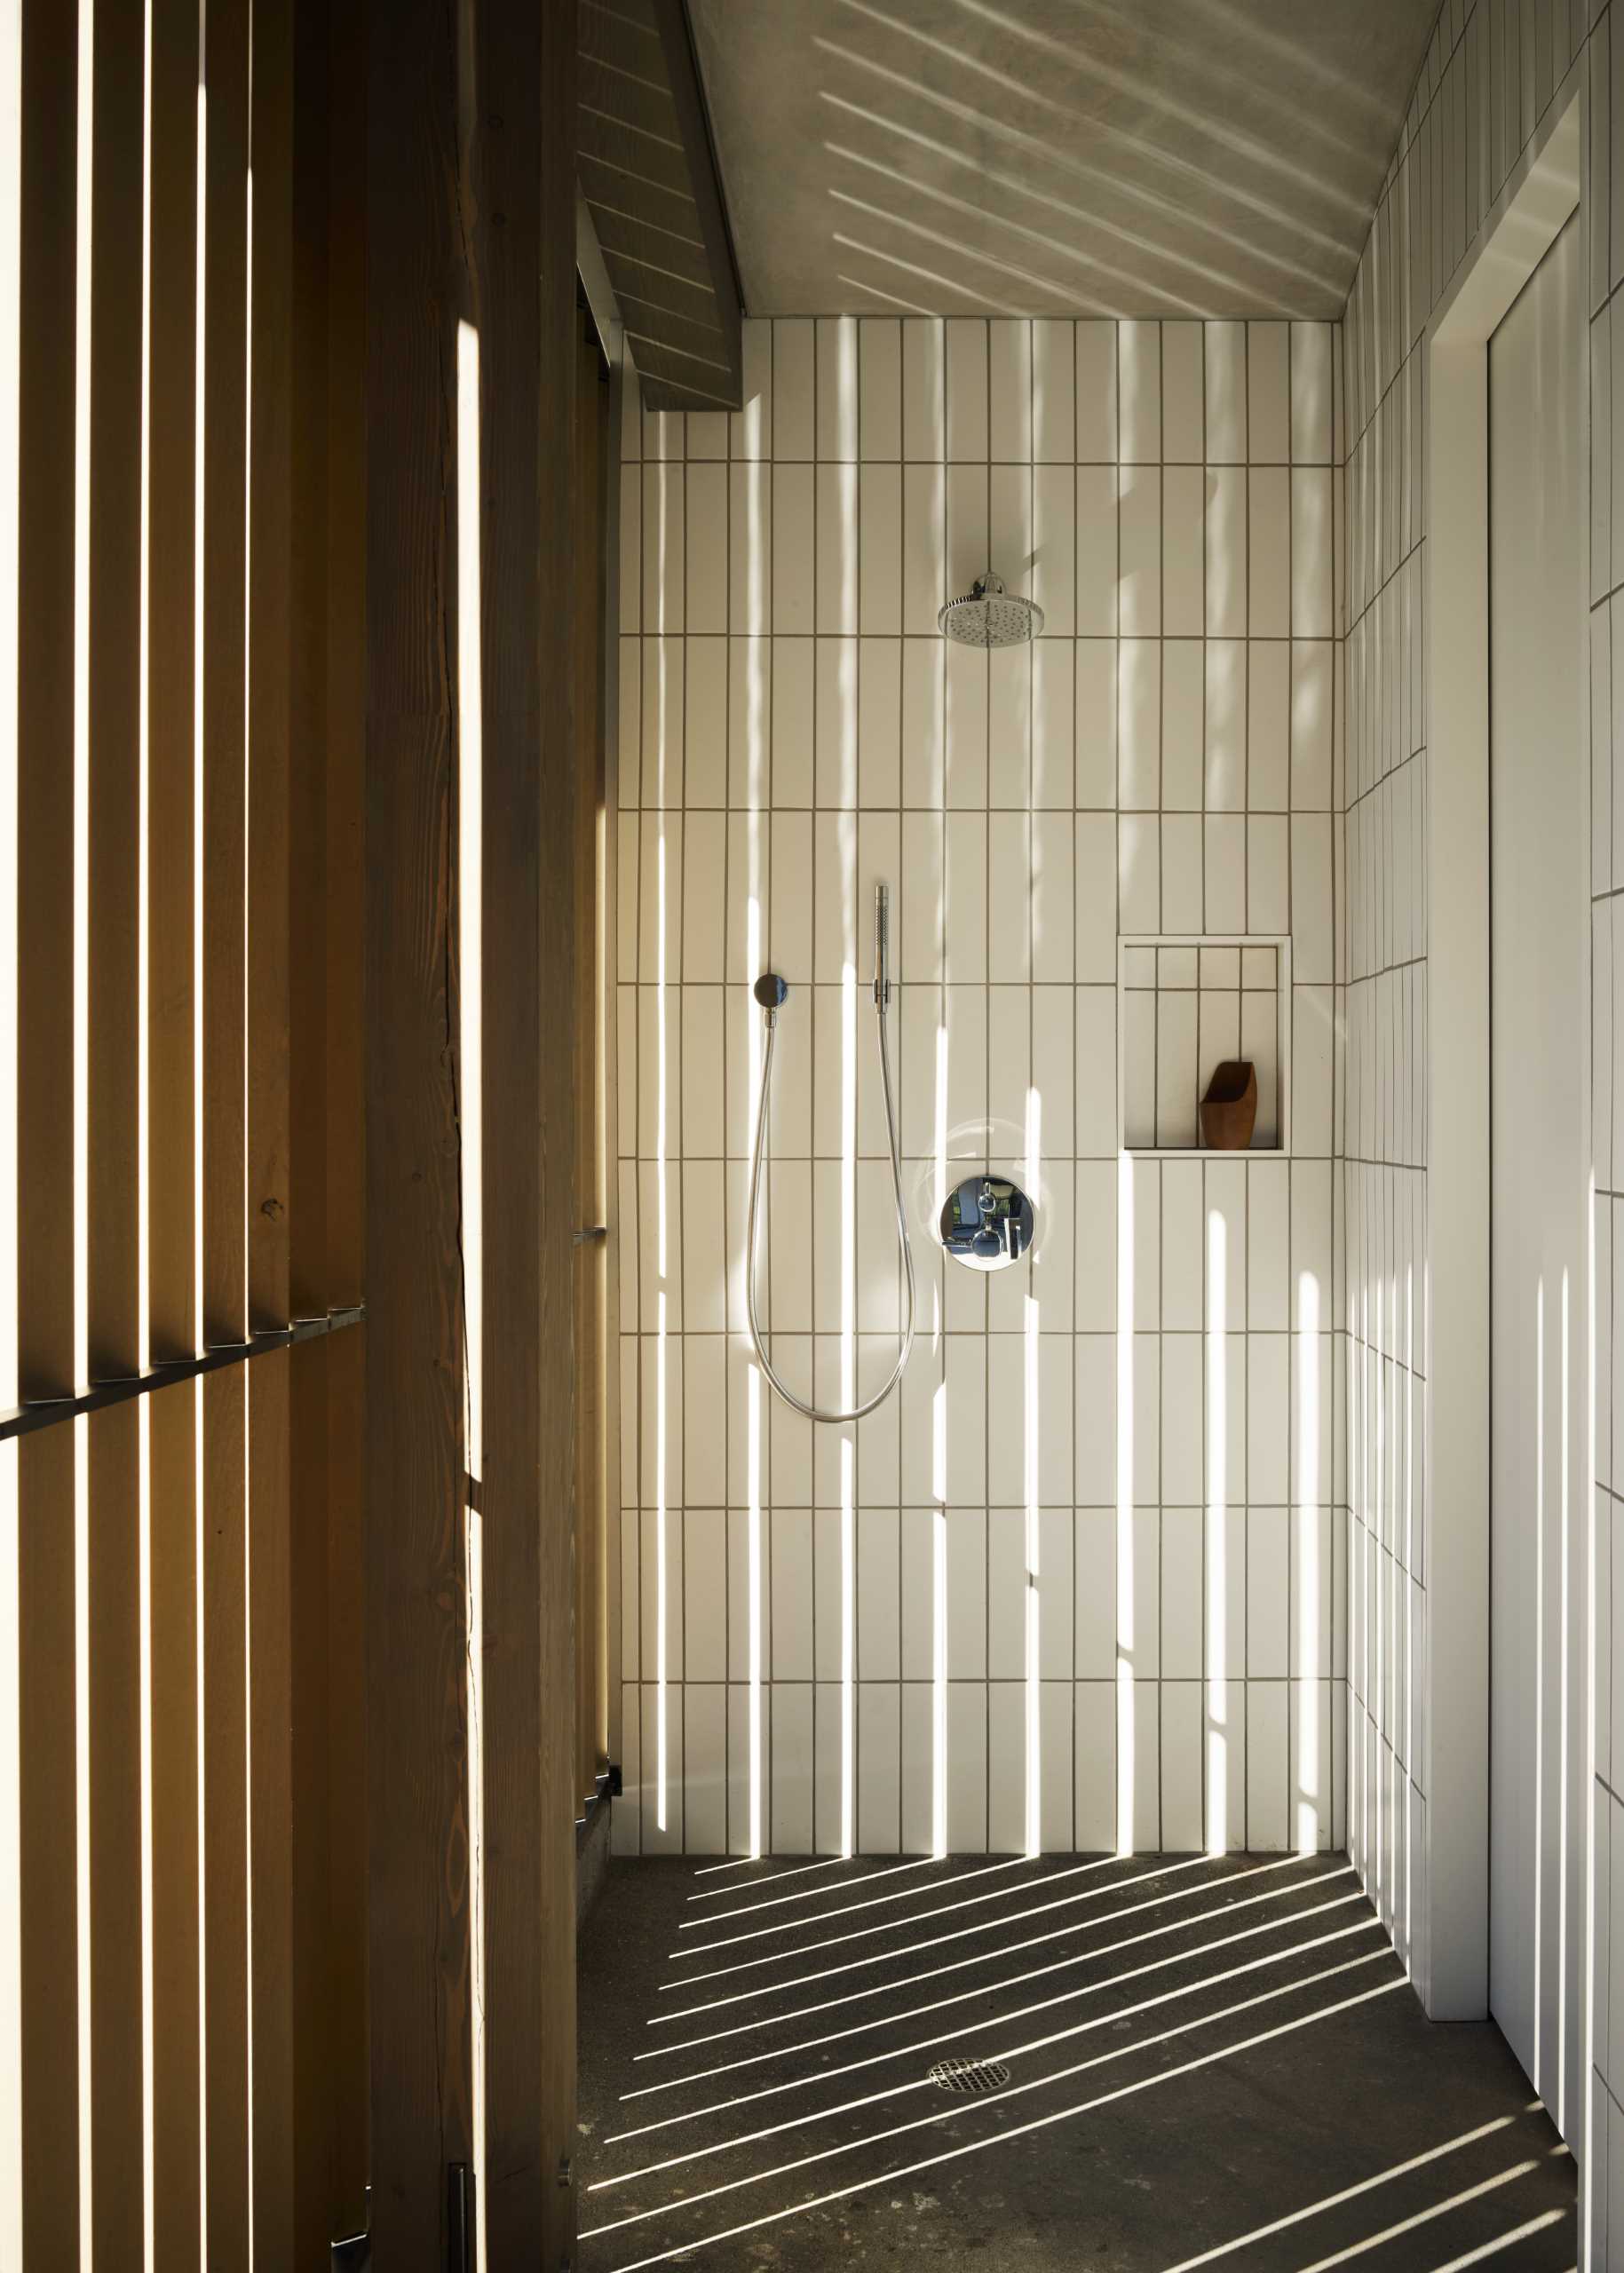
column 1208, row 2063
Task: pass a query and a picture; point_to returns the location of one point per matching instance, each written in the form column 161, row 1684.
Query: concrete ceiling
column 1136, row 157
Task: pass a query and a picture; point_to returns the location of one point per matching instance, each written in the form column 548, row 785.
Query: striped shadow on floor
column 1179, row 2062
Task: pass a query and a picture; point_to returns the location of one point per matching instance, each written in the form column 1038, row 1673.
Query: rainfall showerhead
column 987, row 616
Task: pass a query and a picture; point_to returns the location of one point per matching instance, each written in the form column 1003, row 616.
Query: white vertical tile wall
column 1492, row 71
column 978, row 1618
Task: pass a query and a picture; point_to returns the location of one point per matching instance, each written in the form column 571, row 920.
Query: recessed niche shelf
column 1186, row 1002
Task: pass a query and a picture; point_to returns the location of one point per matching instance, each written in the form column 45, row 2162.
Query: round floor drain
column 968, row 2075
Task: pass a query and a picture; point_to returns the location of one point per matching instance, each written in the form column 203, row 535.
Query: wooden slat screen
column 182, row 1754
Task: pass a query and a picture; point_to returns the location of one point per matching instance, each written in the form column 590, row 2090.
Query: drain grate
column 968, row 2075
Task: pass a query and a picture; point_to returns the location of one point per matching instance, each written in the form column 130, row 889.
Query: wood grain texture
column 346, row 651
column 555, row 1357
column 225, row 831
column 112, row 1199
column 419, row 1966
column 592, row 1194
column 622, row 377
column 225, row 1813
column 48, row 1849
column 272, row 1828
column 346, row 1792
column 114, row 1439
column 45, row 702
column 523, row 170
column 171, row 599
column 270, row 664
column 177, row 2065
column 308, row 751
column 315, row 1958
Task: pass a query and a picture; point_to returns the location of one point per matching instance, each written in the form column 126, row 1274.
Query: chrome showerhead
column 987, row 616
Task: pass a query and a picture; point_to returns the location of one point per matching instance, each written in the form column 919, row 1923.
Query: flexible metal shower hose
column 800, row 1403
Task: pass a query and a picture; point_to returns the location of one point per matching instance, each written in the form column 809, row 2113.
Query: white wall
column 1488, row 83
column 1165, row 757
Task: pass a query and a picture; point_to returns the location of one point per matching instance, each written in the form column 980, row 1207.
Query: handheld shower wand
column 771, row 992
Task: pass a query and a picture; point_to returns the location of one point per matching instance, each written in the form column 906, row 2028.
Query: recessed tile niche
column 1185, row 1004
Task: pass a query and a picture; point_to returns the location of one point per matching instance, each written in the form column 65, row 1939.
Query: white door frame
column 1451, row 1956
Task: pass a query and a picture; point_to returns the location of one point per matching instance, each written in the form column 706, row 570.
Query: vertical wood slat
column 271, row 1827
column 524, row 170
column 176, row 2051
column 308, row 1274
column 45, row 700
column 315, row 1959
column 347, row 1802
column 621, row 377
column 171, row 1170
column 507, row 311
column 225, row 1828
column 270, row 649
column 591, row 1259
column 555, row 1361
column 112, row 1439
column 48, row 1847
column 267, row 1042
column 419, row 1962
column 113, row 1198
column 331, row 174
column 346, row 653
column 224, row 537
column 47, row 1640
column 113, row 1669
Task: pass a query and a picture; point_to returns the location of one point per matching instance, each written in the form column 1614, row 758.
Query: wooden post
column 591, row 1197
column 521, row 203
column 417, row 1622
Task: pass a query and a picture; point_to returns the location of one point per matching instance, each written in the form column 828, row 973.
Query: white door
column 1540, row 943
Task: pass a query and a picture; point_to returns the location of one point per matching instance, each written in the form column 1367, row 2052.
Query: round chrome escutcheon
column 987, row 1222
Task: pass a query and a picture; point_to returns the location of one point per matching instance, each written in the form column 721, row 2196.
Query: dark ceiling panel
column 649, row 178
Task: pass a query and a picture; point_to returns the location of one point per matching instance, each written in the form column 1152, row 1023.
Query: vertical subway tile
column 1268, row 393
column 966, row 390
column 1183, row 413
column 1054, row 426
column 1096, row 393
column 923, row 372
column 1225, row 357
column 1139, row 381
column 1139, row 569
column 1010, row 389
column 837, row 396
column 1269, row 553
column 880, row 548
column 880, row 387
column 794, row 389
column 751, row 427
column 1226, row 554
column 1097, row 550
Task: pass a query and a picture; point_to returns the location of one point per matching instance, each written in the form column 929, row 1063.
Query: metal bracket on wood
column 460, row 2215
column 588, row 1234
column 353, row 2252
